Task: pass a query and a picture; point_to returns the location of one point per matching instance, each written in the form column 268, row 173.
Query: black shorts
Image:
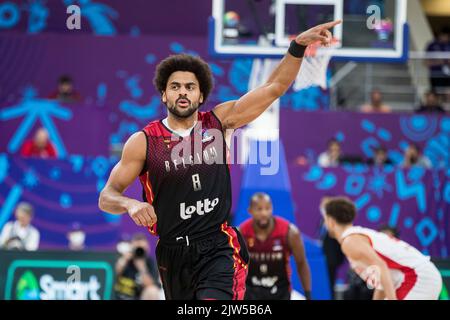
column 210, row 268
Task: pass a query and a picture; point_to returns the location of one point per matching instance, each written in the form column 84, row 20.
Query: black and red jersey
column 187, row 179
column 269, row 269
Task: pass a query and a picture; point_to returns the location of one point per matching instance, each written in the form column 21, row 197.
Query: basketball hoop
column 313, row 71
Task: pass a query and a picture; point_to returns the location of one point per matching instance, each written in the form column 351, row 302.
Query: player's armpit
column 224, row 112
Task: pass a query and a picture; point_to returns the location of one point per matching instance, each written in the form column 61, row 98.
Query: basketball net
column 313, row 71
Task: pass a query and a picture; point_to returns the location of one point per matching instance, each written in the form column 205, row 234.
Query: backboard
column 372, row 30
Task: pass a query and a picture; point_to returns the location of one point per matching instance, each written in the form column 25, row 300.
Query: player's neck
column 339, row 231
column 176, row 123
column 261, row 233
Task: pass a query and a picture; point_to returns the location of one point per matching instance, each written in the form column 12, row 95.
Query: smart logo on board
column 49, row 280
column 27, row 287
column 48, row 288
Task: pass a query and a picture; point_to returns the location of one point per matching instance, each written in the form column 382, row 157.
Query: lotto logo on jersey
column 201, row 207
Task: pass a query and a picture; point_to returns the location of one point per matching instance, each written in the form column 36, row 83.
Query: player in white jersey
column 395, row 269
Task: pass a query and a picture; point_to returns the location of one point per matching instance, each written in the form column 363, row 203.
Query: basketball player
column 187, row 193
column 395, row 269
column 271, row 240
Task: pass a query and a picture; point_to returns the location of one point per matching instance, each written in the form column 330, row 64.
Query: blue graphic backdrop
column 416, row 201
column 118, row 97
column 63, row 193
column 360, row 133
column 103, row 17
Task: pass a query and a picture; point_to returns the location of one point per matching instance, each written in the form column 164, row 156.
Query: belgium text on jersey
column 212, row 146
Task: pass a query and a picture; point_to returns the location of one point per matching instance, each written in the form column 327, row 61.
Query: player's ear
column 163, row 97
column 201, row 98
column 326, row 221
column 332, row 222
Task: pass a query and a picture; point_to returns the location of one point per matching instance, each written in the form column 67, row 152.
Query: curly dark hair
column 341, row 209
column 184, row 62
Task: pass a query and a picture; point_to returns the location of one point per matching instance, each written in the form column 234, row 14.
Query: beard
column 264, row 224
column 182, row 113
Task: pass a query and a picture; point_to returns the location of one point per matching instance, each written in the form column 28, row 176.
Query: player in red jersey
column 271, row 241
column 187, row 191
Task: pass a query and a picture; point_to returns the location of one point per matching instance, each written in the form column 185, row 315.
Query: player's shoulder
column 135, row 140
column 355, row 242
column 135, row 147
column 246, row 223
column 282, row 223
column 210, row 119
column 281, row 220
column 153, row 128
column 282, row 227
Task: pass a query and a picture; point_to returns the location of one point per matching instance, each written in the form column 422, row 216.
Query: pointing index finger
column 329, row 25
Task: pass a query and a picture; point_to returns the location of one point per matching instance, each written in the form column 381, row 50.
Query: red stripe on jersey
column 240, row 268
column 410, row 276
column 145, row 181
column 152, row 229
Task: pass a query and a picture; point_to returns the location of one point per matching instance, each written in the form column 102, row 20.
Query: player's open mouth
column 183, row 103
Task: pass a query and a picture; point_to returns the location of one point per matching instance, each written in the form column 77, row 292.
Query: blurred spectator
column 301, row 161
column 431, row 103
column 390, row 231
column 65, row 92
column 137, row 275
column 124, row 245
column 20, row 234
column 440, row 68
column 413, row 157
column 331, row 157
column 380, row 158
column 376, row 104
column 76, row 238
column 40, row 146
